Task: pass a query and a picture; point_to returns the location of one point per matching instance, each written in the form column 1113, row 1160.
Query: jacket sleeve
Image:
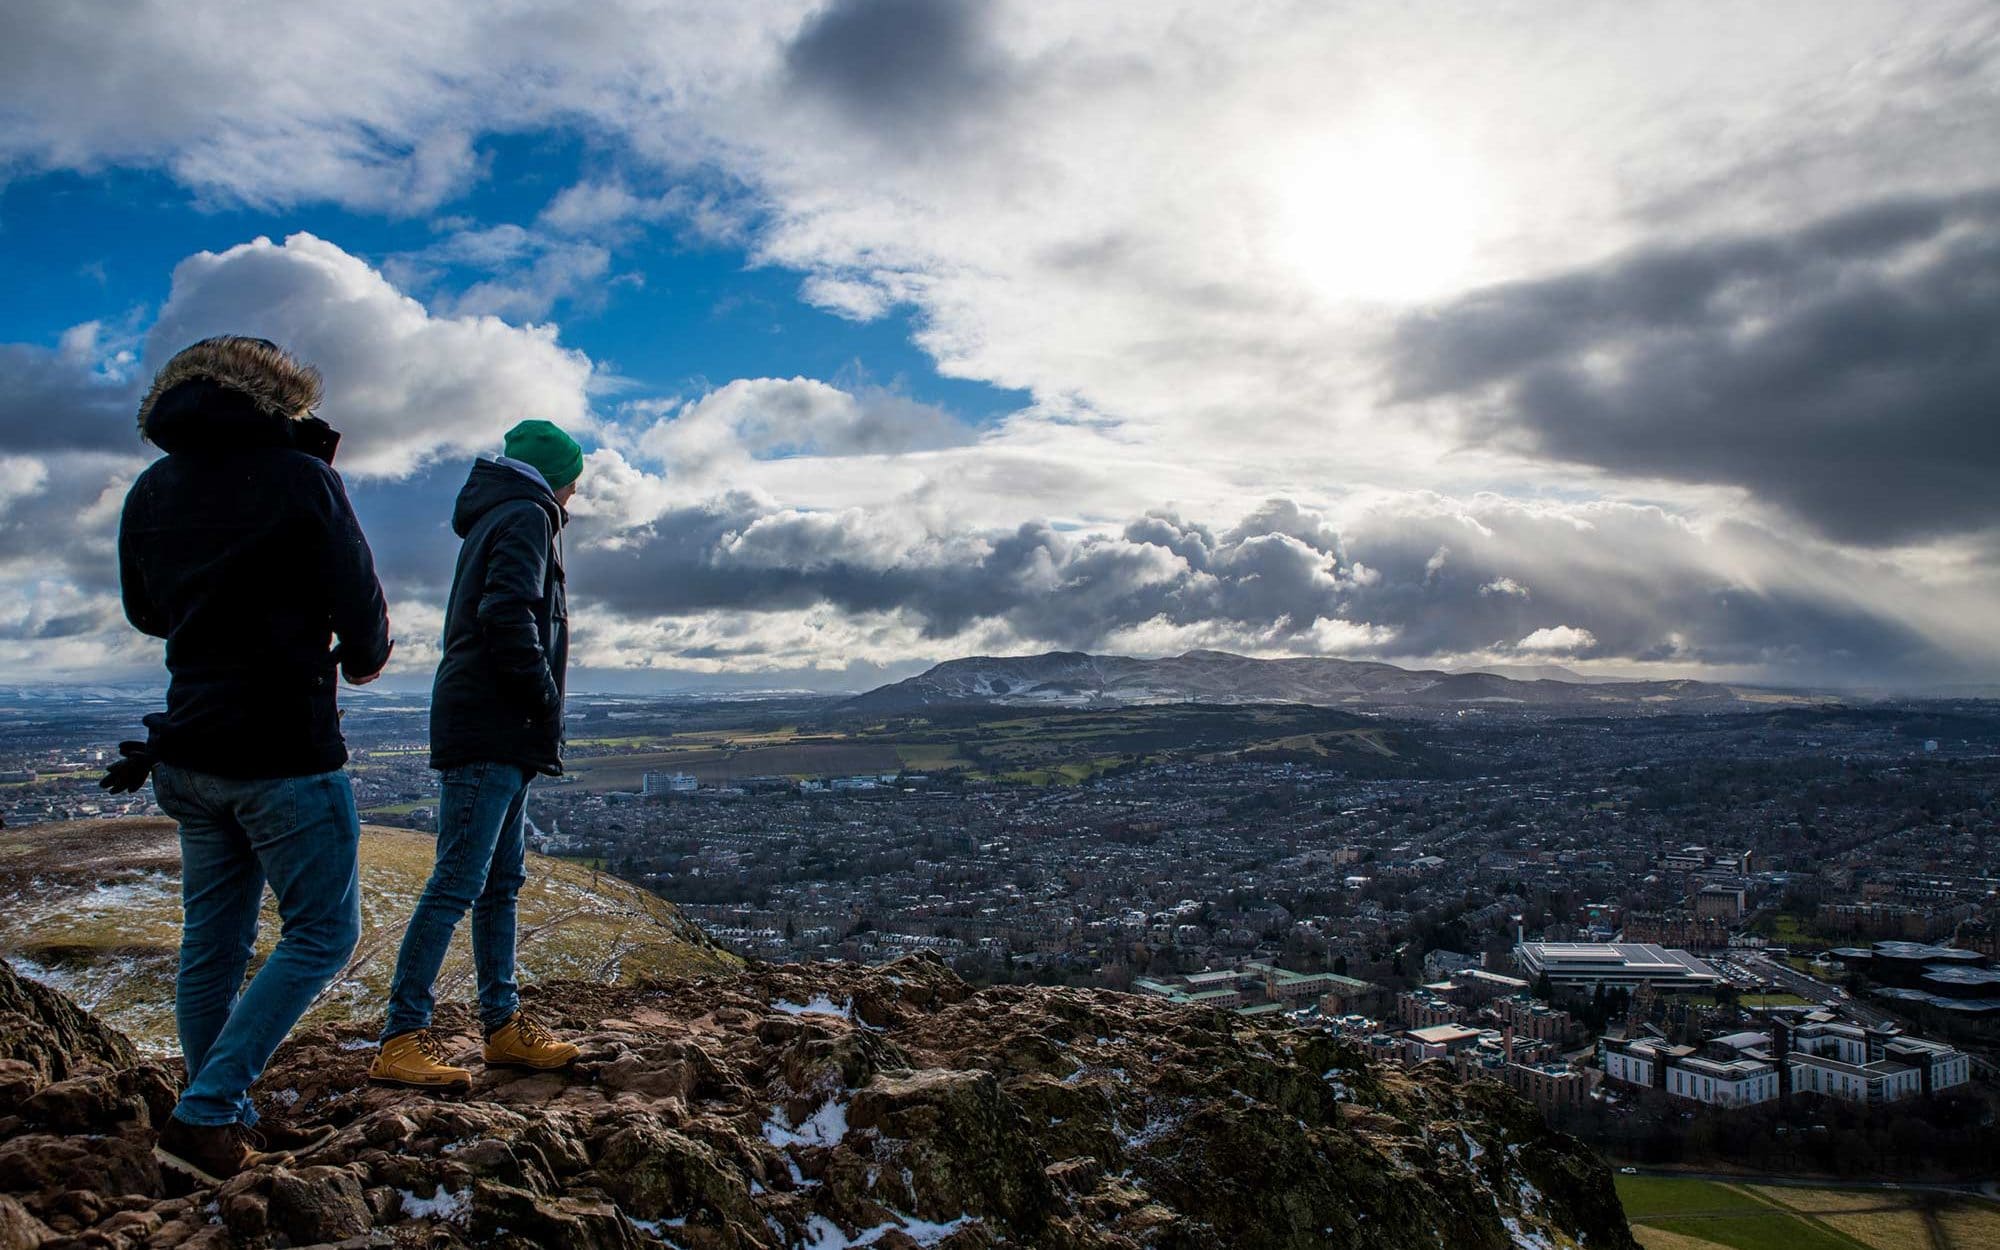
column 360, row 616
column 140, row 609
column 516, row 582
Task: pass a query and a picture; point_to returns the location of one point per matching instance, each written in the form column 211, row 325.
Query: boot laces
column 532, row 1032
column 430, row 1045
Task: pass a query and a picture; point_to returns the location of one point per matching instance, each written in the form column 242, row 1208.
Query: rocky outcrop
column 834, row 1106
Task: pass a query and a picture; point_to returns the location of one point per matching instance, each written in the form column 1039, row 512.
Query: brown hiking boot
column 521, row 1043
column 271, row 1133
column 417, row 1061
column 211, row 1153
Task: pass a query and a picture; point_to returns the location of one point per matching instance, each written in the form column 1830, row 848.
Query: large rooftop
column 1619, row 962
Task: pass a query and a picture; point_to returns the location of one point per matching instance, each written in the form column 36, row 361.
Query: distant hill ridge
column 1080, row 679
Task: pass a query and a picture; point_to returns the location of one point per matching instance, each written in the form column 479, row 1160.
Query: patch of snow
column 820, row 1005
column 286, row 1098
column 1151, row 1131
column 823, row 1234
column 1472, row 1148
column 825, row 1127
column 359, row 1043
column 444, row 1205
column 1527, row 1238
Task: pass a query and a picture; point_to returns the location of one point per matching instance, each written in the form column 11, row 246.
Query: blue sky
column 1647, row 338
column 682, row 315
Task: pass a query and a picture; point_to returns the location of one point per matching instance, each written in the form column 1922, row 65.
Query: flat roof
column 1626, row 959
column 1440, row 1033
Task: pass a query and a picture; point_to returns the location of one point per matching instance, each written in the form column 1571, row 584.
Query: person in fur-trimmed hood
column 239, row 547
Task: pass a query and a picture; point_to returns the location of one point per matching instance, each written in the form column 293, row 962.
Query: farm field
column 1672, row 1214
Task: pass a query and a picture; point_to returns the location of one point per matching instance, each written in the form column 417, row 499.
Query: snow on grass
column 445, row 1205
column 825, row 1127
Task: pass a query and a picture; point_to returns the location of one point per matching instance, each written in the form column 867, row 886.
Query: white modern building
column 1586, row 965
column 1732, row 1071
column 1843, row 1060
column 656, row 782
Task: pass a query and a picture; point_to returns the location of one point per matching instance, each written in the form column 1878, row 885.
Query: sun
column 1384, row 215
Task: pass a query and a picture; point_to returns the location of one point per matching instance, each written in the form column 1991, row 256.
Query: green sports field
column 1673, row 1214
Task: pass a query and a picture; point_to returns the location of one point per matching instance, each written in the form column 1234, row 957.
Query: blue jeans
column 481, row 857
column 301, row 835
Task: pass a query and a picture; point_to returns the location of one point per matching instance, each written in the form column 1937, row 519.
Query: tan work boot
column 417, row 1061
column 211, row 1153
column 521, row 1043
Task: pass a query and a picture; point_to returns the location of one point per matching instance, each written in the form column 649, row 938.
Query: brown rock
column 19, row 1229
column 246, row 1214
column 315, row 1204
column 58, row 1039
column 510, row 1218
column 99, row 1165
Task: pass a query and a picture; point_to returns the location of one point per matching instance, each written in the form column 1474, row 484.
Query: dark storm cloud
column 1637, row 580
column 1849, row 372
column 903, row 68
column 49, row 402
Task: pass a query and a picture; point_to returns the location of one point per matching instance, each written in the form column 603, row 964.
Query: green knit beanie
column 553, row 453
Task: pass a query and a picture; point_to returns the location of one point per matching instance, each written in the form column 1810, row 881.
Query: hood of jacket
column 229, row 392
column 491, row 484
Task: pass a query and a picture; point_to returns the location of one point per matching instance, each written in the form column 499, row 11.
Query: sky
column 1657, row 339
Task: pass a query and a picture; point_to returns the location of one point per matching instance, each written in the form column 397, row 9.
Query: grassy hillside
column 93, row 907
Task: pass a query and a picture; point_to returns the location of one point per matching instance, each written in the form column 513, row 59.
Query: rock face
column 824, row 1107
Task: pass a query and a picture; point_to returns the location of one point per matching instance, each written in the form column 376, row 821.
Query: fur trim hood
column 274, row 382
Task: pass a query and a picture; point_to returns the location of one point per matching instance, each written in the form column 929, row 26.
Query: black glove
column 128, row 775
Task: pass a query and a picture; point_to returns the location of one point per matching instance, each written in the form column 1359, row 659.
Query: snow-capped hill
column 1078, row 679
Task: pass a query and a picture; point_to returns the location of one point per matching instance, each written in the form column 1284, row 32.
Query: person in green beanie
column 496, row 724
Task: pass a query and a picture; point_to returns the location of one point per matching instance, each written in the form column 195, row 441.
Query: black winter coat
column 244, row 554
column 499, row 689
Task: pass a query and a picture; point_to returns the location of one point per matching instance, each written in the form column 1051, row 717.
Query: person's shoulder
column 520, row 512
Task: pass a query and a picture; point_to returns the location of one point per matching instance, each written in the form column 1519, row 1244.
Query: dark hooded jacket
column 499, row 690
column 242, row 551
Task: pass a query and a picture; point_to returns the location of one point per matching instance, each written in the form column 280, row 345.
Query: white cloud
column 403, row 386
column 1558, row 640
column 711, row 440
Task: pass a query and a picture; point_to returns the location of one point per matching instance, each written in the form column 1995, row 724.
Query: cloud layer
column 1633, row 335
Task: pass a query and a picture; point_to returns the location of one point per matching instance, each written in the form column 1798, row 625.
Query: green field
column 1672, row 1214
column 1063, row 746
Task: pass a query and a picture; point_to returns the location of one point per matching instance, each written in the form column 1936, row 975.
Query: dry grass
column 1972, row 1225
column 1884, row 1230
column 1661, row 1239
column 94, row 907
column 1820, row 1201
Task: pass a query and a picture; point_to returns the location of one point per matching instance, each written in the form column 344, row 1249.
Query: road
column 1812, row 989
